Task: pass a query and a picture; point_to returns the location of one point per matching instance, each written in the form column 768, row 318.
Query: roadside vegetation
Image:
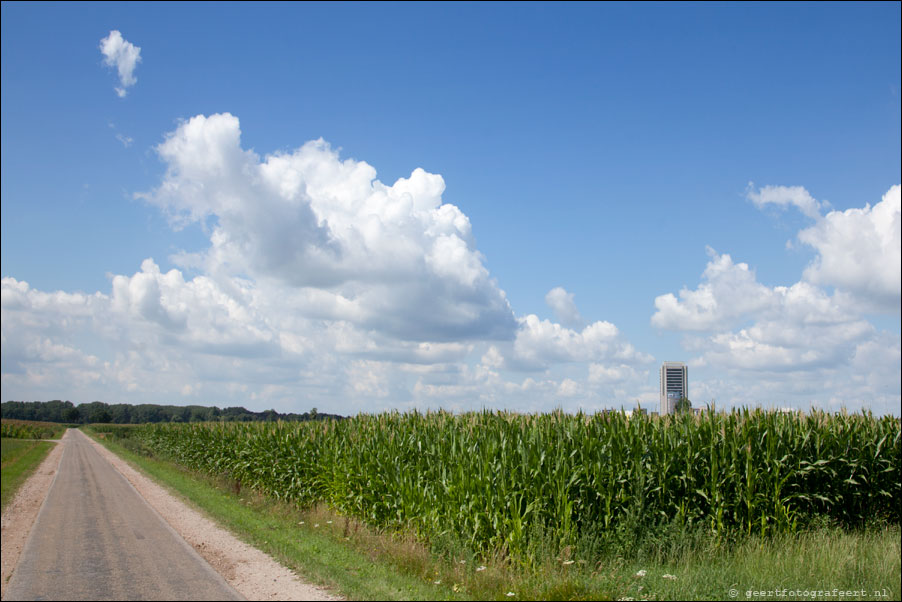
column 22, row 451
column 503, row 506
column 31, row 429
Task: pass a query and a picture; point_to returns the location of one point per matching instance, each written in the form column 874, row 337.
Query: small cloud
column 123, row 55
column 783, row 196
column 561, row 302
column 125, row 140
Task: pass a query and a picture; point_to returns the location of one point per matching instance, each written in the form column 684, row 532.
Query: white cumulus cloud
column 729, row 292
column 860, row 251
column 320, row 285
column 790, row 328
column 540, row 343
column 396, row 259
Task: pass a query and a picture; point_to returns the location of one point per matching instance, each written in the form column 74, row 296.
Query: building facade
column 674, row 385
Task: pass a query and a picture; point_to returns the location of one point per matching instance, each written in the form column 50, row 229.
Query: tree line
column 123, row 413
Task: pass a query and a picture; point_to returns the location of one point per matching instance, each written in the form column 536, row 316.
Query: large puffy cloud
column 868, row 379
column 124, row 56
column 159, row 337
column 152, row 321
column 802, row 330
column 320, row 286
column 729, row 292
column 36, row 327
column 38, row 347
column 395, row 259
column 198, row 314
column 540, row 343
column 860, row 251
column 790, row 328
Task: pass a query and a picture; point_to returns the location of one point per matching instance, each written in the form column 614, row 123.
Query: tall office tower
column 674, row 385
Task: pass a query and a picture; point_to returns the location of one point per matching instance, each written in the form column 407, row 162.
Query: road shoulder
column 20, row 514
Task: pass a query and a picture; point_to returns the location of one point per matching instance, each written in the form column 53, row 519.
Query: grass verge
column 360, row 563
column 18, row 460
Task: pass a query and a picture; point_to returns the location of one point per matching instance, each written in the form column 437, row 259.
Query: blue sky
column 370, row 206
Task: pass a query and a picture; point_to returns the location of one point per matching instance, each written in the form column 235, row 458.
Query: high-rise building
column 674, row 385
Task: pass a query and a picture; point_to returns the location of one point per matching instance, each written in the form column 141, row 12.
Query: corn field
column 491, row 479
column 29, row 429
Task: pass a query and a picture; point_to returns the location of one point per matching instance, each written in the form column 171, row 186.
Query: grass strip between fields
column 355, row 562
column 19, row 459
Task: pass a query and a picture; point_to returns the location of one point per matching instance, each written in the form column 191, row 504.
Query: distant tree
column 199, row 413
column 101, row 415
column 98, row 411
column 683, row 405
column 72, row 415
column 121, row 413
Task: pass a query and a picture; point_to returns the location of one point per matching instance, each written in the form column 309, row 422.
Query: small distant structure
column 674, row 386
column 638, row 410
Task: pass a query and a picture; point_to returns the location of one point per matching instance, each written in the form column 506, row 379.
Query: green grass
column 359, row 562
column 865, row 562
column 820, row 560
column 19, row 459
